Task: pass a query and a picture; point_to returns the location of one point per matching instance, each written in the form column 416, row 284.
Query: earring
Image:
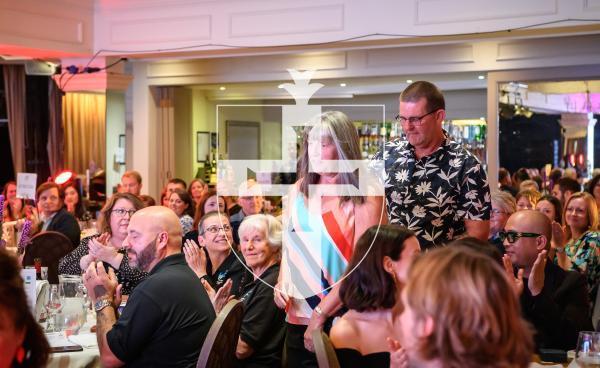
column 20, row 355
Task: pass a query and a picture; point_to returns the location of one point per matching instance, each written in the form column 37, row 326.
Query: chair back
column 218, row 350
column 50, row 246
column 324, row 350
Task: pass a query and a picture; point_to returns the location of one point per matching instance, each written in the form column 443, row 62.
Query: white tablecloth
column 88, row 358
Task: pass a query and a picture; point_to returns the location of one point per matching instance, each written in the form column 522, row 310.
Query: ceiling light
column 280, row 86
column 222, row 88
column 481, row 77
column 482, row 118
column 409, row 81
column 342, row 84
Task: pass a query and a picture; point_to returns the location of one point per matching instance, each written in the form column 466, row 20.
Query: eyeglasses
column 497, row 212
column 215, row 229
column 415, row 120
column 513, row 236
column 121, row 212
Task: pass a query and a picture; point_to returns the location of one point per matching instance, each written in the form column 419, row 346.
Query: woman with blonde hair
column 503, row 205
column 465, row 314
column 527, row 199
column 578, row 249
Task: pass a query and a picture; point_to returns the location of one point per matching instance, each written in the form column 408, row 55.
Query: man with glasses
column 555, row 301
column 168, row 315
column 217, row 260
column 433, row 185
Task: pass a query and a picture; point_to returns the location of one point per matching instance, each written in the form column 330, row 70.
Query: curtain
column 84, row 118
column 14, row 85
column 56, row 144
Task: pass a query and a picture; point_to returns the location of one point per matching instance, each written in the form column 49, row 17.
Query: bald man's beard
column 145, row 257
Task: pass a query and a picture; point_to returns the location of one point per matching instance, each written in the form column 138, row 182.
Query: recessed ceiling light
column 482, row 118
column 342, row 84
column 481, row 77
column 409, row 81
column 280, row 86
column 222, row 88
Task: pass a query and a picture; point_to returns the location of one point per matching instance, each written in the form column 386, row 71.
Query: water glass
column 53, row 306
column 587, row 354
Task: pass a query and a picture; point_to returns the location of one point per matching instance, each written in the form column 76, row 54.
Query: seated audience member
column 196, row 190
column 263, row 329
column 371, row 290
column 53, row 216
column 564, row 188
column 505, row 182
column 555, row 301
column 216, row 261
column 14, row 208
column 250, row 205
column 147, row 200
column 167, row 317
column 554, row 176
column 593, row 187
column 22, row 341
column 527, row 199
column 465, row 314
column 181, row 203
column 108, row 247
column 520, row 176
column 551, row 207
column 208, row 202
column 131, row 182
column 529, row 185
column 174, row 184
column 74, row 203
column 164, row 198
column 579, row 248
column 571, row 173
column 503, row 205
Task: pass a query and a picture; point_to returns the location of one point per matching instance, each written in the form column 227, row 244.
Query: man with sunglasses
column 555, row 301
column 168, row 315
column 433, row 185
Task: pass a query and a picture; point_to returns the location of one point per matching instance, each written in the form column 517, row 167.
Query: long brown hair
column 342, row 131
column 475, row 311
column 13, row 301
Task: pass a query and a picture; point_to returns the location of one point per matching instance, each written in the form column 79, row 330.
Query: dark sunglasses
column 513, row 236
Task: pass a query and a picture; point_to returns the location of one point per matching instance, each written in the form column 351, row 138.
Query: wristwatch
column 101, row 304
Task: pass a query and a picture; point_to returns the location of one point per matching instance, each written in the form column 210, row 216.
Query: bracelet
column 320, row 312
column 559, row 250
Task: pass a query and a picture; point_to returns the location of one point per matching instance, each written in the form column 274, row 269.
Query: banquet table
column 89, row 357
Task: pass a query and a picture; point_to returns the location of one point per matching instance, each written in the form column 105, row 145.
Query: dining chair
column 218, row 350
column 50, row 246
column 324, row 350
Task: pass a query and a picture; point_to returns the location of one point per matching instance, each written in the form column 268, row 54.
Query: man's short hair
column 568, row 184
column 178, row 181
column 48, row 185
column 502, row 174
column 133, row 174
column 426, row 90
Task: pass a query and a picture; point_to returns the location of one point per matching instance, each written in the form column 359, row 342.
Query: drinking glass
column 53, row 306
column 587, row 354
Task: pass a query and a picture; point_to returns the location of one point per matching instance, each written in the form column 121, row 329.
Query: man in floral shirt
column 433, row 185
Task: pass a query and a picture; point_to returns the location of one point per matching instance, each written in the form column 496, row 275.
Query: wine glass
column 587, row 354
column 53, row 306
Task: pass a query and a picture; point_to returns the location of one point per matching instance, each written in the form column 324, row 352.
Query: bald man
column 555, row 301
column 168, row 315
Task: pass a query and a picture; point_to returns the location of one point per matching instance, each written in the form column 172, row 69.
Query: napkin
column 87, row 340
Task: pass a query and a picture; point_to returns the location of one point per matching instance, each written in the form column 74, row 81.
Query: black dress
column 350, row 358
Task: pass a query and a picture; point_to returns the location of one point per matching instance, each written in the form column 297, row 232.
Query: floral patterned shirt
column 584, row 254
column 435, row 194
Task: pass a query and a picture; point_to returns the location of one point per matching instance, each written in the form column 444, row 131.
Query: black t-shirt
column 263, row 327
column 231, row 268
column 166, row 319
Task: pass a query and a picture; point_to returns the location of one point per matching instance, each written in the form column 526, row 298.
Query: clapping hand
column 535, row 283
column 195, row 257
column 558, row 235
column 517, row 282
column 398, row 356
column 101, row 284
column 101, row 250
column 220, row 297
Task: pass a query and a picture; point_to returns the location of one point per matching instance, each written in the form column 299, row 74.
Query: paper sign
column 28, row 275
column 26, row 185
